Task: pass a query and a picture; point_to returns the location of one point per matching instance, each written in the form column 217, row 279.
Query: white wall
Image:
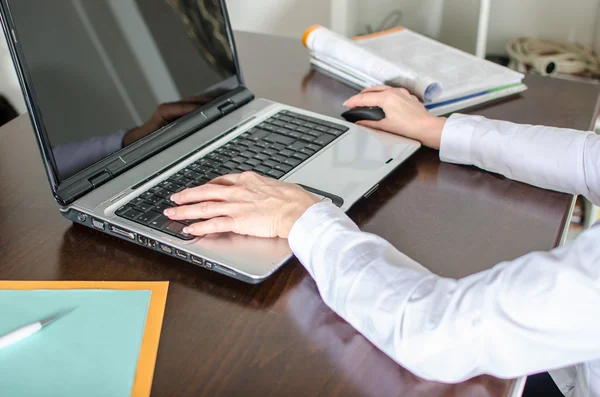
column 568, row 20
column 282, row 17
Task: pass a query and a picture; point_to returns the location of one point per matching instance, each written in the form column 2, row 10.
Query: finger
column 203, row 210
column 377, row 88
column 208, row 192
column 367, row 99
column 370, row 123
column 215, row 225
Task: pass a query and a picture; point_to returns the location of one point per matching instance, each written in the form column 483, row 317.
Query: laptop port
column 151, row 243
column 142, row 240
column 166, row 248
column 181, row 254
column 197, row 261
column 122, row 232
column 208, row 264
column 98, row 224
column 225, row 270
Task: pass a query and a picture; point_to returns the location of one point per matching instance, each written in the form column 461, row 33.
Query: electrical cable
column 390, row 21
column 550, row 57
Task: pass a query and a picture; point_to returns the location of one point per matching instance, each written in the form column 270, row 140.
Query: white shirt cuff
column 309, row 228
column 457, row 139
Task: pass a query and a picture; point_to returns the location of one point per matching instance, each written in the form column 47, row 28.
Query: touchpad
column 355, row 161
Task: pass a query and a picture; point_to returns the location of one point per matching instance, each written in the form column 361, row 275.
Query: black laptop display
column 105, row 74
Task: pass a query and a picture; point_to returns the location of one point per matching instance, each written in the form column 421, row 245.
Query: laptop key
column 144, row 206
column 147, row 217
column 335, row 132
column 178, row 188
column 144, row 196
column 245, row 167
column 269, row 152
column 324, row 139
column 282, row 139
column 212, row 175
column 278, row 146
column 239, row 160
column 314, row 146
column 278, row 158
column 230, row 165
column 159, row 222
column 284, row 168
column 286, row 153
column 275, row 174
column 191, row 174
column 153, row 199
column 262, row 169
column 131, row 214
column 296, row 146
column 261, row 157
column 301, row 156
column 270, row 163
column 307, row 151
column 258, row 134
column 294, row 162
column 163, row 205
column 176, row 229
column 254, row 162
column 307, row 138
column 123, row 209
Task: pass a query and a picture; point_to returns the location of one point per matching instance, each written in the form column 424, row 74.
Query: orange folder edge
column 144, row 373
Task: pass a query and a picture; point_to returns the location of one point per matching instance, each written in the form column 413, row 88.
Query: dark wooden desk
column 225, row 338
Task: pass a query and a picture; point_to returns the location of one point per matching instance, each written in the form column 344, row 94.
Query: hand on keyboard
column 245, row 203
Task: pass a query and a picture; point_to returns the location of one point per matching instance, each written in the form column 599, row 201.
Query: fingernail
column 175, row 197
column 187, row 230
column 344, row 104
column 169, row 211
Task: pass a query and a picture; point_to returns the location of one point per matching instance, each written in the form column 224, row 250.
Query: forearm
column 558, row 159
column 514, row 319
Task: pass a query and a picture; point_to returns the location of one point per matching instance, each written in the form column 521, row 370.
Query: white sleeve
column 538, row 312
column 553, row 158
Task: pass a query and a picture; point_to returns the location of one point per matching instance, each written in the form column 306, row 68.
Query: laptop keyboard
column 273, row 149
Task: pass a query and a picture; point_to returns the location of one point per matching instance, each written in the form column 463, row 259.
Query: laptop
column 133, row 100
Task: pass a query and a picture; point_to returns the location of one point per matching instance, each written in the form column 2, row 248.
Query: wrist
column 293, row 214
column 432, row 132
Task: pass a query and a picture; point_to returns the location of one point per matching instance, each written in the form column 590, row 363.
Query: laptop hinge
column 227, row 107
column 100, row 178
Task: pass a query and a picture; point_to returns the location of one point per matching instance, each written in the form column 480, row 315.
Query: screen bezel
column 39, row 129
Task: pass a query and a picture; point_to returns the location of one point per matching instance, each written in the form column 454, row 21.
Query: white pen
column 24, row 332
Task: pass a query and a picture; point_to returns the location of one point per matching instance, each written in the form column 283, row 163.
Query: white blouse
column 536, row 313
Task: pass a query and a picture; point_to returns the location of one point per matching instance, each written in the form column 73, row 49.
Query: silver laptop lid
column 107, row 82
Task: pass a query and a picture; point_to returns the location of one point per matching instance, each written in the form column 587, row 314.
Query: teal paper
column 92, row 350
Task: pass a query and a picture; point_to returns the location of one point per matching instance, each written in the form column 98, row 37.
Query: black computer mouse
column 374, row 113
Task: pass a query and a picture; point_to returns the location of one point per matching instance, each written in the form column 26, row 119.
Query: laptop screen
column 107, row 73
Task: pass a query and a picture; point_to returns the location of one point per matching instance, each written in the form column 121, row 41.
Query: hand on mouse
column 404, row 114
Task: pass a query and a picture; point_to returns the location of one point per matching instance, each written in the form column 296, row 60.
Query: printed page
column 330, row 46
column 459, row 73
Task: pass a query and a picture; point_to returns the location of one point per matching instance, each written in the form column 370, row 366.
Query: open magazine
column 444, row 78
